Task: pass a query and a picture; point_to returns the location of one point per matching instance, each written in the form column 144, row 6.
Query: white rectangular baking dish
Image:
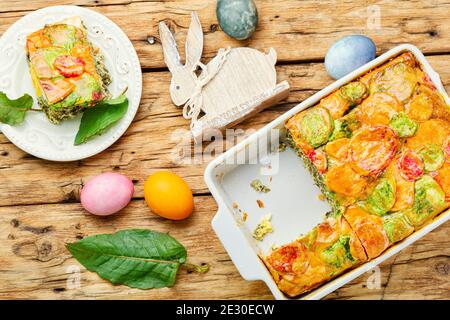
column 291, row 186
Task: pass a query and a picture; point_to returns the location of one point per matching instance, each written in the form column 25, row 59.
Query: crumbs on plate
column 263, row 228
column 260, row 203
column 258, row 186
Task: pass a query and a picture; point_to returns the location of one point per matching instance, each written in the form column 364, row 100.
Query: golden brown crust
column 369, row 229
column 344, row 180
column 335, row 104
column 338, row 148
column 372, row 149
column 407, row 58
column 316, row 257
column 443, row 179
column 433, row 131
column 296, row 269
column 378, row 109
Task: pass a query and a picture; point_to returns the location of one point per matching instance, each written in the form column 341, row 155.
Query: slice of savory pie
column 322, row 254
column 379, row 150
column 67, row 72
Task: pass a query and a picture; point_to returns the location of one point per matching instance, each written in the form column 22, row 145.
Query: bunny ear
column 171, row 55
column 194, row 41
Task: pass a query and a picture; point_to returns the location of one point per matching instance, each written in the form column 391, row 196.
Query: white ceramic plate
column 39, row 137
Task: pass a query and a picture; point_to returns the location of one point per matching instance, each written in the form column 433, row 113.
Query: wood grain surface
column 39, row 209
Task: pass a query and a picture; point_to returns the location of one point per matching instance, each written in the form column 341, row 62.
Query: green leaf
column 96, row 120
column 12, row 112
column 137, row 258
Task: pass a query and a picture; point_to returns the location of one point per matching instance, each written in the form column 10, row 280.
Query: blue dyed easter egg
column 348, row 54
column 237, row 18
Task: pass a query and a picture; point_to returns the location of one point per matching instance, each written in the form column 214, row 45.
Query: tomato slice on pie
column 69, row 66
column 410, row 165
column 282, row 259
column 319, row 159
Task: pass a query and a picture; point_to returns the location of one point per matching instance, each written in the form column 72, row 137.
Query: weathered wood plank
column 38, row 265
column 147, row 145
column 302, row 30
column 20, row 5
column 35, row 263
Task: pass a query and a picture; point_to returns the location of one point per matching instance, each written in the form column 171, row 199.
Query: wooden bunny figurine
column 235, row 84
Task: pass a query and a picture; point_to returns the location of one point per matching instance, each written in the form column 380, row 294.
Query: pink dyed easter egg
column 106, row 194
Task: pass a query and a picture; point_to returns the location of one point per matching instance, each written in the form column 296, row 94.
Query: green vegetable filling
column 433, row 157
column 429, row 200
column 382, row 198
column 316, row 126
column 354, row 92
column 339, row 253
column 341, row 130
column 404, row 126
column 397, row 226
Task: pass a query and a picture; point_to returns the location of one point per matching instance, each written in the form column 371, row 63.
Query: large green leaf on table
column 12, row 112
column 137, row 258
column 98, row 119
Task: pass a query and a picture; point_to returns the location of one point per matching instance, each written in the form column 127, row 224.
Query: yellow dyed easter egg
column 168, row 195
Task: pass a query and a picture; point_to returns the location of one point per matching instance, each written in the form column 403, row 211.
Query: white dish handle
column 236, row 244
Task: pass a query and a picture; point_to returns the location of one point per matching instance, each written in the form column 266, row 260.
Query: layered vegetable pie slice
column 379, row 149
column 325, row 252
column 68, row 73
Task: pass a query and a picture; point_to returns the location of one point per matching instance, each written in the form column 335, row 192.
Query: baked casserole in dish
column 379, row 150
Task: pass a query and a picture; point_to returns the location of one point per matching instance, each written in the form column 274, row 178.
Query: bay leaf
column 13, row 112
column 99, row 118
column 137, row 258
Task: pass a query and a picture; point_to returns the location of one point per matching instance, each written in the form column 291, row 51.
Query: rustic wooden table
column 39, row 207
